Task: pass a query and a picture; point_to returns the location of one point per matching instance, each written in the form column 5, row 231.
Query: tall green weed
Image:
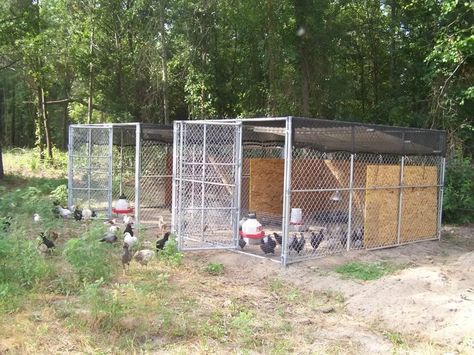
column 458, row 204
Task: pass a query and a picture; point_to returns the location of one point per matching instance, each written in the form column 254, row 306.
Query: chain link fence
column 325, row 187
column 206, row 185
column 107, row 160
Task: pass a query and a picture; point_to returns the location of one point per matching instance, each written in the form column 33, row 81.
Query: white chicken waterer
column 296, row 216
column 122, row 206
column 252, row 231
column 296, row 219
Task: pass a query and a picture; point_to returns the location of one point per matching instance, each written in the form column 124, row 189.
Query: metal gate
column 90, row 167
column 206, row 184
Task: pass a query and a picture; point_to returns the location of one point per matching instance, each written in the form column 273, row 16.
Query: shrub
column 59, row 194
column 90, row 259
column 458, row 203
column 170, row 253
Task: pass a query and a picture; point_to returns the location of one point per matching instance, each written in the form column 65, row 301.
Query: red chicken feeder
column 259, row 235
column 126, row 211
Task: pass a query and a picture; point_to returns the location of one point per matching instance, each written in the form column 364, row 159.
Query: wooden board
column 381, row 206
column 266, row 186
column 419, row 204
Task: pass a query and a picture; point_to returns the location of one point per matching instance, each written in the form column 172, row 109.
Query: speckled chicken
column 144, row 256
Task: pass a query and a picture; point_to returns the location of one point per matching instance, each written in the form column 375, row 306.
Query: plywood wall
column 381, row 206
column 266, row 186
column 419, row 205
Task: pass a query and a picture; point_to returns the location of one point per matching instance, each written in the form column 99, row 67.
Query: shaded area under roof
column 353, row 137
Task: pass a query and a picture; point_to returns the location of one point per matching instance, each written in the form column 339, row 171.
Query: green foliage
column 458, row 203
column 170, row 253
column 21, row 268
column 90, row 259
column 215, row 268
column 365, row 271
column 60, row 194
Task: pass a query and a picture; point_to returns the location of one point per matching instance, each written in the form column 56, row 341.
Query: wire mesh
column 207, row 177
column 90, row 167
column 361, row 201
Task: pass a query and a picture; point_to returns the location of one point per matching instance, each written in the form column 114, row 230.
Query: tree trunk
column 13, row 120
column 39, row 127
column 1, row 120
column 44, row 118
column 164, row 63
column 2, row 174
column 91, row 77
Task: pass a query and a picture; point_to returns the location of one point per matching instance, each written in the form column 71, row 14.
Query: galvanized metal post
column 110, row 182
column 70, row 176
column 287, row 189
column 440, row 197
column 400, row 199
column 204, row 147
column 179, row 215
column 121, row 160
column 349, row 220
column 174, row 177
column 138, row 144
column 89, row 153
column 238, row 183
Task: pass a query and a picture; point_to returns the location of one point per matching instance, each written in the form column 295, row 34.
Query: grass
column 365, row 271
column 215, row 268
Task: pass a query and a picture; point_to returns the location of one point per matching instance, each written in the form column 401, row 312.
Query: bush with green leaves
column 170, row 253
column 59, row 194
column 458, row 203
column 21, row 268
column 90, row 259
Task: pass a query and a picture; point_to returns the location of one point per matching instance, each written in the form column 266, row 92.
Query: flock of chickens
column 297, row 244
column 129, row 240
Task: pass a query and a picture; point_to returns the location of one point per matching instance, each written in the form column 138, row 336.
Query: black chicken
column 160, row 244
column 316, row 239
column 278, row 237
column 128, row 229
column 297, row 244
column 242, row 243
column 126, row 257
column 271, row 242
column 46, row 241
column 267, row 247
column 343, row 239
column 77, row 214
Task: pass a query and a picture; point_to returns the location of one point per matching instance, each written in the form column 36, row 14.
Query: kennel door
column 207, row 184
column 90, row 167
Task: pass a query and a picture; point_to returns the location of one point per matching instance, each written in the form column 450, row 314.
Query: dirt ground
column 257, row 306
column 429, row 303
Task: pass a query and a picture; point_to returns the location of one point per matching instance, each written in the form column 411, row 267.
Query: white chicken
column 86, row 214
column 64, row 212
column 36, row 218
column 144, row 256
column 127, row 219
column 114, row 229
column 131, row 241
